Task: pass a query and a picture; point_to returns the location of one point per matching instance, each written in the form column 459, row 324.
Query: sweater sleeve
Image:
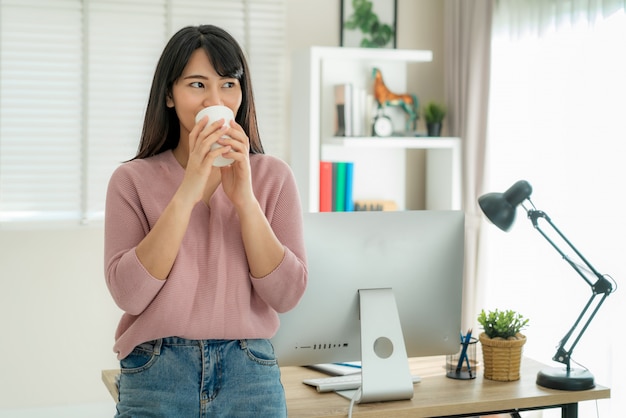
column 126, row 224
column 283, row 288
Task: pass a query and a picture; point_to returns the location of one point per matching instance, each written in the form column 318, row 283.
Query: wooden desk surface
column 435, row 395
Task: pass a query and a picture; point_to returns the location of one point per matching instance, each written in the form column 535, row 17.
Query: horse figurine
column 384, row 97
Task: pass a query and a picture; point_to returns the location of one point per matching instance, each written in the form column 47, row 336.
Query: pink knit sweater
column 209, row 293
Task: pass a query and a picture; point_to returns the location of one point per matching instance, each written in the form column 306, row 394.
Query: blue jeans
column 174, row 377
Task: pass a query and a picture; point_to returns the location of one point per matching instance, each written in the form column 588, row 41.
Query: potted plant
column 502, row 343
column 434, row 114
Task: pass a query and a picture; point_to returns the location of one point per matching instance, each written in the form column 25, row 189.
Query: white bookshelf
column 383, row 168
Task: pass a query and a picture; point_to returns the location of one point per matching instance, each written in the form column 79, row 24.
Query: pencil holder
column 464, row 368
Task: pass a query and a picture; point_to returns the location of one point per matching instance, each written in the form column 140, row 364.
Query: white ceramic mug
column 216, row 113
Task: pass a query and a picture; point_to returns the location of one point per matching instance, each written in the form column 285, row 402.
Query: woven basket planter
column 502, row 358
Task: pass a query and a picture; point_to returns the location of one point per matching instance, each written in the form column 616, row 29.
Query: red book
column 326, row 186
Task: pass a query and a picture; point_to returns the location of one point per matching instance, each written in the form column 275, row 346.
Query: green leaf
column 376, row 34
column 434, row 112
column 502, row 324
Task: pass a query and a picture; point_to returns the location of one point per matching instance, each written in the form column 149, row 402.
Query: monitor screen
column 417, row 255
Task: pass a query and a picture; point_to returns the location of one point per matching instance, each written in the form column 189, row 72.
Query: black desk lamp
column 500, row 209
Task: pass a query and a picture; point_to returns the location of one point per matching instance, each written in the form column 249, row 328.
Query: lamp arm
column 562, row 354
column 601, row 286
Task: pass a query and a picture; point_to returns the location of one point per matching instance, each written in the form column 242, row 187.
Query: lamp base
column 560, row 378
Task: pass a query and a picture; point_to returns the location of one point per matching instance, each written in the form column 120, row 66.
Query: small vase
column 502, row 359
column 433, row 129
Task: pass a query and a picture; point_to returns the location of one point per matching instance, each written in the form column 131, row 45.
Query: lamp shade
column 500, row 207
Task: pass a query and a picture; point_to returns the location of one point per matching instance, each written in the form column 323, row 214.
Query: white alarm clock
column 382, row 125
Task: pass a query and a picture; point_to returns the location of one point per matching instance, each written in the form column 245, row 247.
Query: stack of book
column 336, row 179
column 353, row 111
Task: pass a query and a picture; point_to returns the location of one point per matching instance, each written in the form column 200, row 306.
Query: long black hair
column 161, row 127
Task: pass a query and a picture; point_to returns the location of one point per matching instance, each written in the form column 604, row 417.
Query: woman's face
column 200, row 86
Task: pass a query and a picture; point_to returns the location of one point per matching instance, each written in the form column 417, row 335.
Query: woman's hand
column 201, row 157
column 236, row 177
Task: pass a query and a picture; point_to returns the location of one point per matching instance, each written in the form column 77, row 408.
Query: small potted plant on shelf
column 434, row 114
column 502, row 343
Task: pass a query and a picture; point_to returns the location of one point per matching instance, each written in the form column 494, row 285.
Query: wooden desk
column 435, row 396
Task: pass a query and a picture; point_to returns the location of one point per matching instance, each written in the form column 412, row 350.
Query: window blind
column 40, row 109
column 122, row 45
column 266, row 48
column 74, row 82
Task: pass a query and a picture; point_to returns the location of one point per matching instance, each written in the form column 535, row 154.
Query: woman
column 201, row 259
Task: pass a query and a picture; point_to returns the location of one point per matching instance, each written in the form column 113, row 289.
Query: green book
column 340, row 187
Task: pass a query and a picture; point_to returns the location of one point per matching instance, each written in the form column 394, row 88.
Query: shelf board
column 343, row 53
column 394, row 142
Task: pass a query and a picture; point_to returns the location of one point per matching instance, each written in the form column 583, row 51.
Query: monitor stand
column 385, row 373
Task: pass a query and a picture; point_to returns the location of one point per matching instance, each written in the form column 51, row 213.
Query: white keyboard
column 335, row 383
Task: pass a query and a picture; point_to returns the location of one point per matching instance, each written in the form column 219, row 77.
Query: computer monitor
column 383, row 286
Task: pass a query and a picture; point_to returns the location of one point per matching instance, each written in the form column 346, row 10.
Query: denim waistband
column 184, row 341
column 156, row 345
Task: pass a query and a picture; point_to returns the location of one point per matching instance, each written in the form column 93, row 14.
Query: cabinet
column 400, row 168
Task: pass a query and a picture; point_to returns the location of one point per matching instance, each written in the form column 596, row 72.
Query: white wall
column 57, row 318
